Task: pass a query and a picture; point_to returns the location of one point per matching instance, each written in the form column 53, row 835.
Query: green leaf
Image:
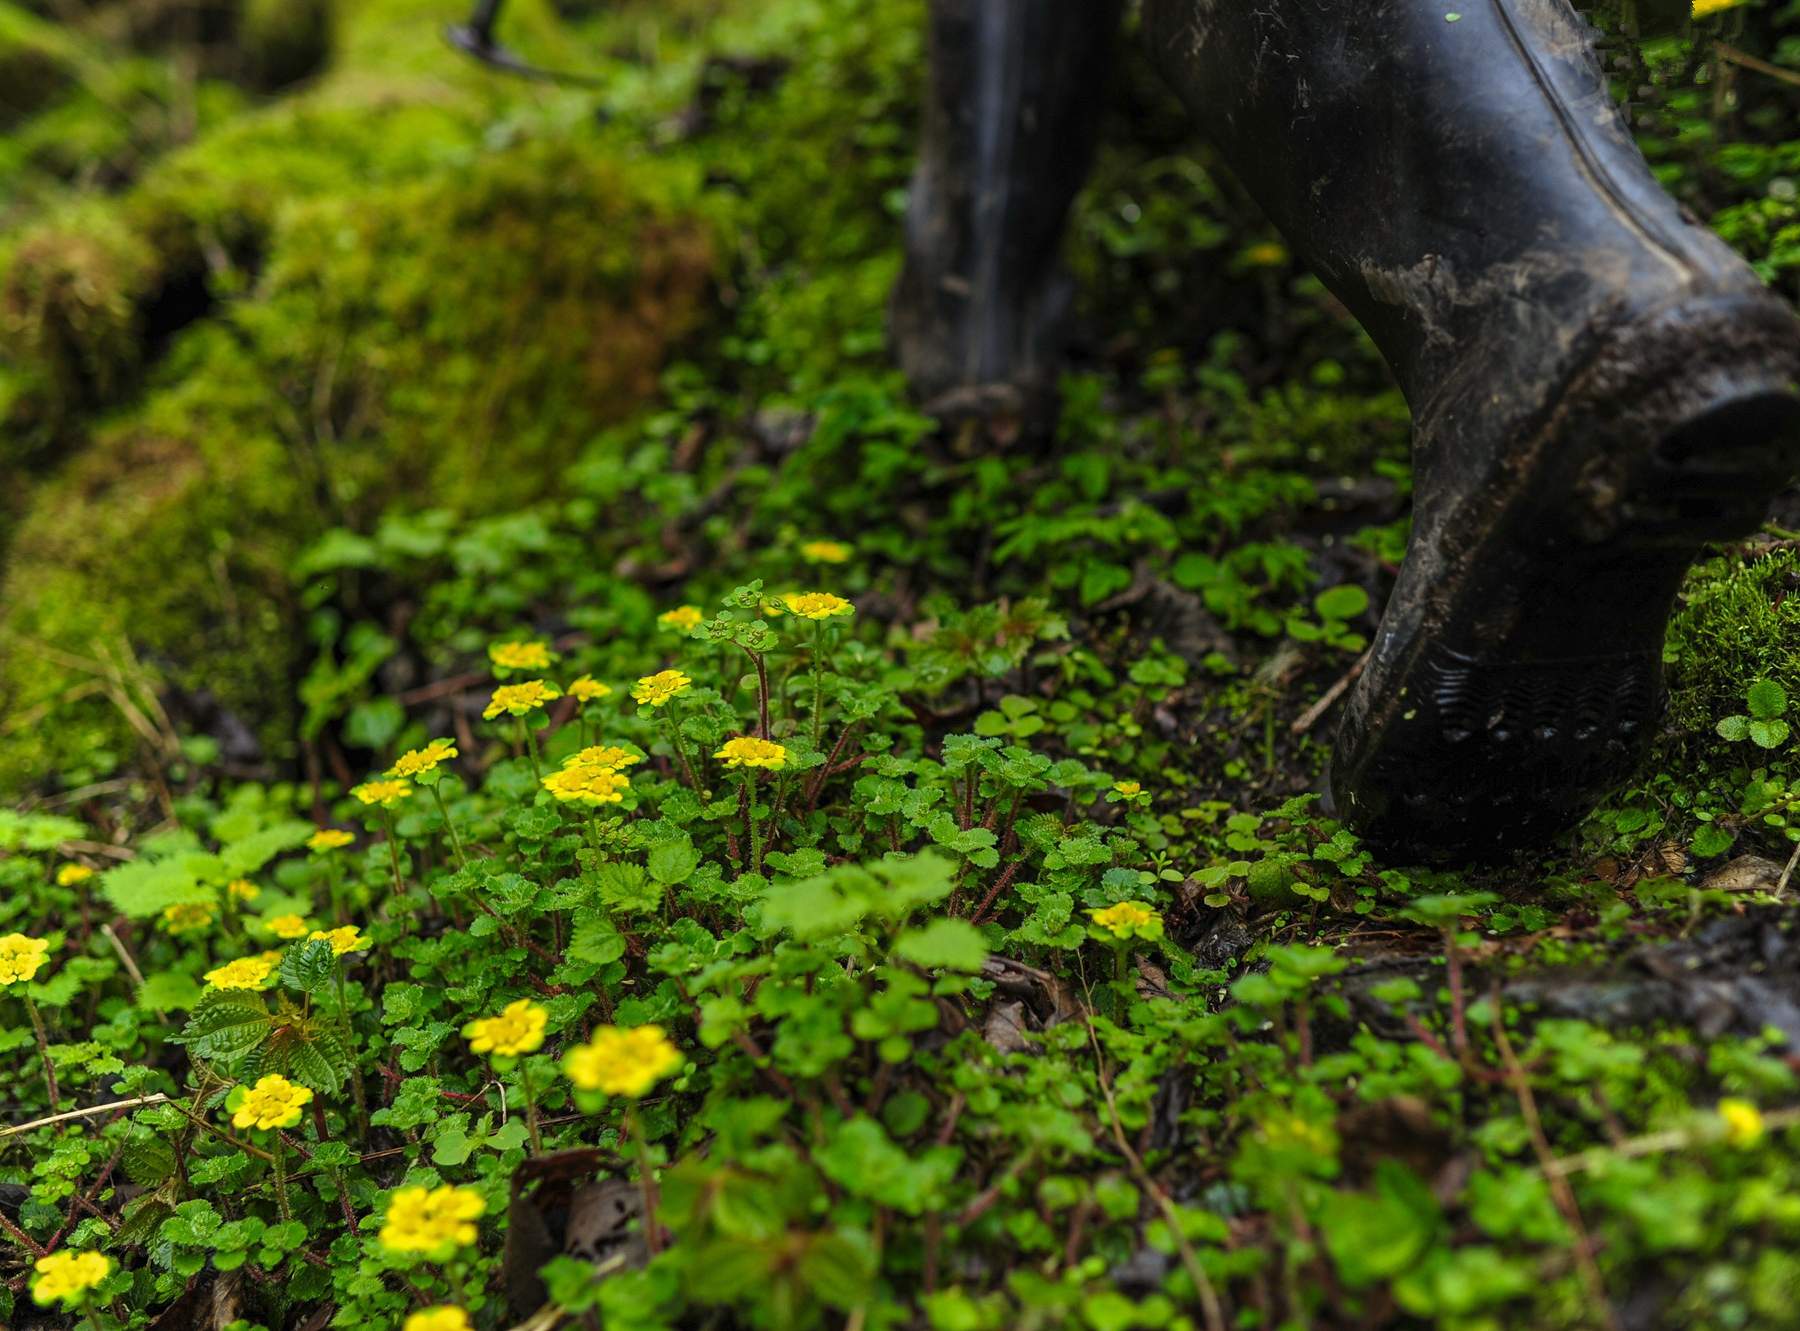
column 148, row 887
column 1709, row 840
column 1734, row 728
column 1768, row 734
column 227, row 1024
column 307, row 967
column 245, row 856
column 1767, row 699
column 1345, row 602
column 944, row 944
column 673, row 862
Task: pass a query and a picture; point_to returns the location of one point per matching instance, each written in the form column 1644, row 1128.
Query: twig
column 1310, row 717
column 1748, row 61
column 118, row 946
column 1787, row 873
column 89, row 1112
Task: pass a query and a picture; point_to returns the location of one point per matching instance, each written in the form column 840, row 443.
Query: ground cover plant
column 542, row 792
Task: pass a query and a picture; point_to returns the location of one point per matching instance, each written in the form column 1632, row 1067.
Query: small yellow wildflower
column 1129, row 919
column 71, row 874
column 244, row 973
column 819, row 605
column 385, row 793
column 1267, row 254
column 618, row 1061
column 609, row 756
column 289, row 926
column 274, row 1102
column 443, row 1317
column 748, row 751
column 1743, row 1122
column 418, row 762
column 687, row 618
column 826, row 552
column 187, row 917
column 587, row 785
column 518, row 699
column 343, row 939
column 518, row 1029
column 65, row 1276
column 1128, row 789
column 520, row 655
column 421, row 1220
column 588, row 689
column 243, row 890
column 1706, row 8
column 20, row 957
column 328, row 838
column 655, row 690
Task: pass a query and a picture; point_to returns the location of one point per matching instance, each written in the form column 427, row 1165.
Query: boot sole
column 1533, row 684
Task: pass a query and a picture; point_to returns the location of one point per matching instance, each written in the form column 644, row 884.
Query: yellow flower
column 327, row 838
column 518, row 699
column 520, row 655
column 774, row 606
column 417, row 762
column 588, row 689
column 421, row 1220
column 342, row 940
column 819, row 605
column 20, row 957
column 71, row 874
column 1267, row 254
column 748, row 751
column 66, row 1275
column 187, row 917
column 244, row 973
column 274, row 1102
column 444, row 1317
column 1705, row 8
column 385, row 793
column 1129, row 789
column 587, row 785
column 517, row 1030
column 609, row 756
column 826, row 552
column 1129, row 919
column 1743, row 1122
column 684, row 617
column 289, row 926
column 622, row 1062
column 655, row 690
column 243, row 890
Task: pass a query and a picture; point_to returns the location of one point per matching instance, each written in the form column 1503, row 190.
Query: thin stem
column 437, row 792
column 750, row 829
column 818, row 674
column 43, row 1044
column 646, row 1181
column 687, row 768
column 530, row 742
column 281, row 1195
column 762, row 693
column 531, row 1116
column 387, row 820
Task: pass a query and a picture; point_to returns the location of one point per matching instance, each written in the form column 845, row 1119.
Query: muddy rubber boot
column 1599, row 386
column 979, row 314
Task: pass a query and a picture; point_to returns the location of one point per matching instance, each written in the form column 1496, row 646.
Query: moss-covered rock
column 1738, row 622
column 448, row 341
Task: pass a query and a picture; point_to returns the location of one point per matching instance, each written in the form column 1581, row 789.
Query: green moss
column 1738, row 622
column 37, row 63
column 448, row 342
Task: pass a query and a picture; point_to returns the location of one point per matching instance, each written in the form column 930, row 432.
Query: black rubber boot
column 1014, row 105
column 1599, row 386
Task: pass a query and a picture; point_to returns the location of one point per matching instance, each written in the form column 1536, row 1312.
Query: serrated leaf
column 148, row 887
column 307, row 967
column 246, row 855
column 1767, row 699
column 227, row 1025
column 944, row 944
column 1768, row 734
column 673, row 862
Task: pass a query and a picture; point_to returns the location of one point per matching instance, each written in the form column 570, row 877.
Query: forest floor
column 389, row 429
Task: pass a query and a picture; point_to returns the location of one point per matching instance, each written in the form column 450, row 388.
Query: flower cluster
column 72, row 874
column 520, row 655
column 518, row 1029
column 592, row 786
column 443, row 1317
column 655, row 690
column 1129, row 919
column 187, row 917
column 687, row 618
column 244, row 973
column 519, row 699
column 619, row 1061
column 328, row 838
column 415, row 763
column 588, row 689
column 610, row 756
column 387, row 793
column 343, row 939
column 65, row 1277
column 748, row 751
column 818, row 605
column 242, row 890
column 289, row 926
column 427, row 1219
column 1743, row 1122
column 826, row 552
column 274, row 1102
column 20, row 957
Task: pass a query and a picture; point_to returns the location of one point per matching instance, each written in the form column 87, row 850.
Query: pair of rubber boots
column 1599, row 386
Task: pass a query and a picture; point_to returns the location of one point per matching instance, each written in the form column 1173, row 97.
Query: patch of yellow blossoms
column 687, row 618
column 274, row 1102
column 421, row 762
column 619, row 1061
column 342, row 939
column 592, row 786
column 518, row 699
column 1743, row 1122
column 826, row 552
column 444, row 1317
column 1129, row 919
column 20, row 957
column 520, row 655
column 589, row 689
column 655, row 690
column 187, row 917
column 386, row 793
column 748, row 751
column 424, row 1220
column 289, row 926
column 819, row 605
column 244, row 973
column 71, row 874
column 518, row 1029
column 328, row 838
column 65, row 1276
